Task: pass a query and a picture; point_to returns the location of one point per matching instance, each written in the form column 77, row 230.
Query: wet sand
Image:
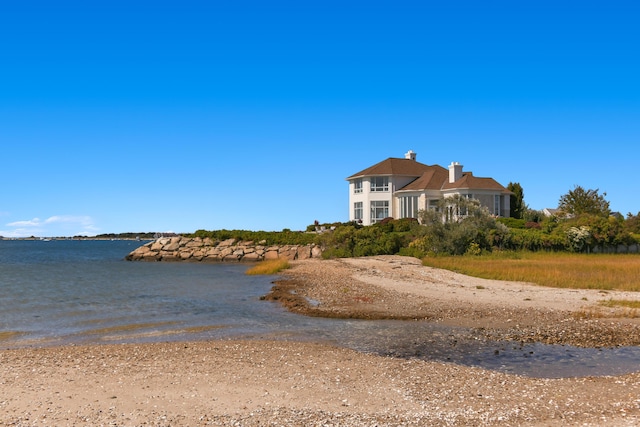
column 262, row 383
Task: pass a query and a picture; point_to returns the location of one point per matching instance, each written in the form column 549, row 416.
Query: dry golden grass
column 560, row 270
column 271, row 266
column 589, row 313
column 621, row 303
column 604, row 311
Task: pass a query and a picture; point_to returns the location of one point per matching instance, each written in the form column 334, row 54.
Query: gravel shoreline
column 395, row 287
column 272, row 383
column 265, row 383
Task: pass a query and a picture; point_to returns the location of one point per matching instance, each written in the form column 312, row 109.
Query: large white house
column 399, row 188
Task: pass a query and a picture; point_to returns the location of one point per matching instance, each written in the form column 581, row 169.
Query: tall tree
column 580, row 201
column 518, row 208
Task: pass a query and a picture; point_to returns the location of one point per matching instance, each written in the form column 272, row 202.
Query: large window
column 357, row 186
column 409, row 207
column 357, row 211
column 380, row 183
column 379, row 210
column 464, row 209
column 496, row 205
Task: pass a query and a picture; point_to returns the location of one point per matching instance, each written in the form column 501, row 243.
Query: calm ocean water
column 70, row 292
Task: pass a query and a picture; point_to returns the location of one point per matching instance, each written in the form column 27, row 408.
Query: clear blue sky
column 176, row 116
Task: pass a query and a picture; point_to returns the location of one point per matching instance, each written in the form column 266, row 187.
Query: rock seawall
column 203, row 250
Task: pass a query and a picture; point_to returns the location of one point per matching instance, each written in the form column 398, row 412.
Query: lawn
column 562, row 270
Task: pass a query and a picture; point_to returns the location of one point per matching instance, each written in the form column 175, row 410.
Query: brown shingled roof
column 394, row 166
column 427, row 177
column 432, row 179
column 472, row 182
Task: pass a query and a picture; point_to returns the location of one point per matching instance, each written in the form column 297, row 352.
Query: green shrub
column 473, row 249
column 284, row 237
column 412, row 251
column 512, row 222
column 330, row 253
column 349, row 240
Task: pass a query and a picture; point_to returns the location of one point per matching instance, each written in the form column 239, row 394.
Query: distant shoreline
column 74, row 238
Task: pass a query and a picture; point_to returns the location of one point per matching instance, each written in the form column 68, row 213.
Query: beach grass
column 621, row 303
column 561, row 270
column 270, row 266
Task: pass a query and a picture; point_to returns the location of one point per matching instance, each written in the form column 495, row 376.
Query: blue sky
column 176, row 116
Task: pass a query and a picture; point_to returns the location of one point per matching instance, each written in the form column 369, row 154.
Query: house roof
column 427, row 177
column 468, row 181
column 394, row 166
column 432, row 179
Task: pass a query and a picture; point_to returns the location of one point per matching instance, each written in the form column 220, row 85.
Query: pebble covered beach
column 272, row 383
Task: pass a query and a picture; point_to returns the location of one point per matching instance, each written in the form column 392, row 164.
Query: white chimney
column 410, row 155
column 455, row 172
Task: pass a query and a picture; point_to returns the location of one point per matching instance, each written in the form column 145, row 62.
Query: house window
column 433, row 205
column 409, row 207
column 357, row 186
column 357, row 211
column 380, row 183
column 464, row 210
column 456, row 209
column 379, row 210
column 496, row 205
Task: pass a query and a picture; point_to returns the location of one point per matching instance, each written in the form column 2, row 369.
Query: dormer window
column 379, row 183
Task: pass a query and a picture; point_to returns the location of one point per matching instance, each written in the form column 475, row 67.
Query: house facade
column 400, row 187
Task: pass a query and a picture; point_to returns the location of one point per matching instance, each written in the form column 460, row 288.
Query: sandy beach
column 271, row 383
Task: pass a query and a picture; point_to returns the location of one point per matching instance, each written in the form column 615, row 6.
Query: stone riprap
column 199, row 249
